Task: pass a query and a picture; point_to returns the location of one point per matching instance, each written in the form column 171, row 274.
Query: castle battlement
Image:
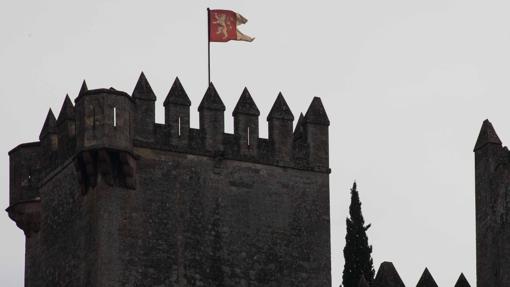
column 104, row 161
column 112, row 120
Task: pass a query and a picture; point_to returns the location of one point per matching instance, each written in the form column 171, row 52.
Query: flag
column 223, row 26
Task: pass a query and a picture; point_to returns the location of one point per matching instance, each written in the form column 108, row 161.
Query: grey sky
column 406, row 85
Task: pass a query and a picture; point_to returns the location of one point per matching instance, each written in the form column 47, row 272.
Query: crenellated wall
column 108, row 197
column 387, row 276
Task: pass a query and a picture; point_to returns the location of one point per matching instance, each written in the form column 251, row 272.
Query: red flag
column 223, row 26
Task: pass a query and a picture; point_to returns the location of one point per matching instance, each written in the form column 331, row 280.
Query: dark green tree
column 357, row 252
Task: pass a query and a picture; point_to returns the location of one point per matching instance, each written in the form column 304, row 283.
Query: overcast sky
column 406, row 85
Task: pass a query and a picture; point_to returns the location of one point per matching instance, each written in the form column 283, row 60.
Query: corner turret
column 144, row 99
column 177, row 113
column 212, row 119
column 24, row 170
column 246, row 124
column 105, row 138
column 315, row 127
column 104, row 119
column 280, row 120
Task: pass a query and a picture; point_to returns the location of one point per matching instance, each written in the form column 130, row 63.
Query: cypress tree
column 357, row 252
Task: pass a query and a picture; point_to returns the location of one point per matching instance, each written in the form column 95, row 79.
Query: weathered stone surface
column 492, row 181
column 122, row 208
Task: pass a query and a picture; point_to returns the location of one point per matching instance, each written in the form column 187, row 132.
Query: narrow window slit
column 114, row 116
column 179, row 125
column 248, row 136
column 93, row 118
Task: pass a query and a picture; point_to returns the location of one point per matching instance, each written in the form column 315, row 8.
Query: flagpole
column 208, row 46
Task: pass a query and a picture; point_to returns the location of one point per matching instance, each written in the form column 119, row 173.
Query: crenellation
column 129, row 121
column 106, row 179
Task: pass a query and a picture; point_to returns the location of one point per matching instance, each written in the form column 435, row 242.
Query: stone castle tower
column 492, row 181
column 108, row 197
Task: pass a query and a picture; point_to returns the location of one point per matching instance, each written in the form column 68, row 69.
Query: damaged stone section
column 115, row 168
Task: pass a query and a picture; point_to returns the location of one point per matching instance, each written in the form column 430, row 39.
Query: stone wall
column 107, row 197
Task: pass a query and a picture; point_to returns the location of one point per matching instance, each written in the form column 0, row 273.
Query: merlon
column 83, row 88
column 143, row 89
column 246, row 105
column 487, row 135
column 387, row 276
column 426, row 280
column 49, row 126
column 67, row 111
column 316, row 114
column 462, row 281
column 211, row 100
column 280, row 110
column 177, row 95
